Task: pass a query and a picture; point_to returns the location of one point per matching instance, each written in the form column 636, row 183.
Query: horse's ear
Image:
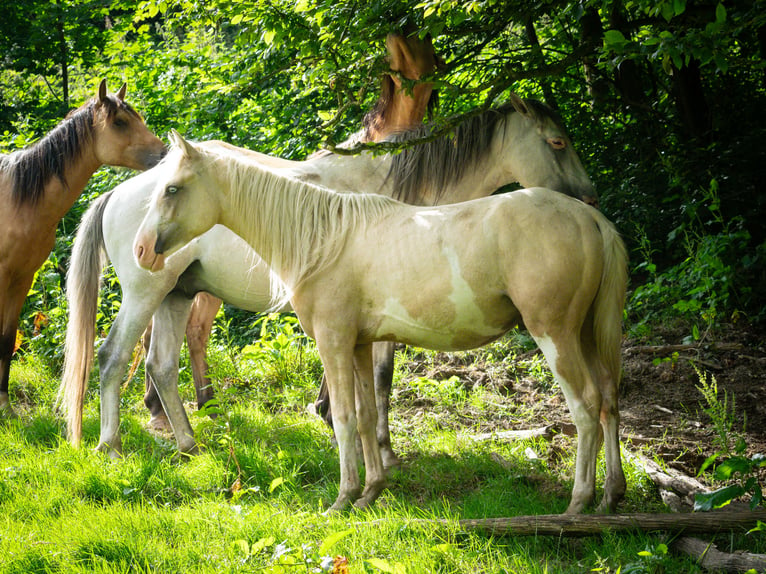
column 102, row 91
column 121, row 92
column 186, row 148
column 398, row 55
column 519, row 105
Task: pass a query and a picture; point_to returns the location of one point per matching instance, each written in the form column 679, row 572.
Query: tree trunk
column 537, row 52
column 592, row 34
column 64, row 61
column 690, row 101
column 627, row 77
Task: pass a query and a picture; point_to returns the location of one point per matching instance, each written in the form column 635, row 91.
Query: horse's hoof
column 6, row 410
column 184, row 456
column 160, row 423
column 370, row 494
column 390, row 460
column 112, row 451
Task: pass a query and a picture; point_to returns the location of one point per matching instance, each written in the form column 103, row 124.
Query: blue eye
column 171, row 190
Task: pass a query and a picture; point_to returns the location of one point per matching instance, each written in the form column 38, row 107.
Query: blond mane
column 296, row 227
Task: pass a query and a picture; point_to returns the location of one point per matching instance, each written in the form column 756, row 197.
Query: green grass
column 252, row 501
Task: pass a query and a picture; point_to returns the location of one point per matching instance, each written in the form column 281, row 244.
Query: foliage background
column 664, row 100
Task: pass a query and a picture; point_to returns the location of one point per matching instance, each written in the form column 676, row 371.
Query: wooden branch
column 596, row 524
column 677, row 489
column 546, row 432
column 710, row 558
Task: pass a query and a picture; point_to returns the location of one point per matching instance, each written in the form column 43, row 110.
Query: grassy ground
column 253, row 500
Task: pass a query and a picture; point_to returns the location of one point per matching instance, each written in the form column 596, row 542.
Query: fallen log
column 596, row 524
column 710, row 558
column 676, row 488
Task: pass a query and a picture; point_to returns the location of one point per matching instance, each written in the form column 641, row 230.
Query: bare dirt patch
column 662, row 407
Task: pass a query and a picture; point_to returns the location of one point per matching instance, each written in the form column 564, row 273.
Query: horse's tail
column 83, row 284
column 610, row 300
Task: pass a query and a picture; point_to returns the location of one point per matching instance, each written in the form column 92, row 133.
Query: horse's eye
column 557, row 143
column 171, row 190
column 120, row 124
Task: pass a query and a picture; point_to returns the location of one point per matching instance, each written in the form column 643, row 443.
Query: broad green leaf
column 332, row 540
column 276, row 483
column 614, row 37
column 720, row 13
column 717, row 498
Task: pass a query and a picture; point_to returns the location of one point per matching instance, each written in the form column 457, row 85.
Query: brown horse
column 39, row 184
column 397, row 110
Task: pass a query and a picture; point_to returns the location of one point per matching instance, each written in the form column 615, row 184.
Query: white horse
column 520, row 142
column 362, row 268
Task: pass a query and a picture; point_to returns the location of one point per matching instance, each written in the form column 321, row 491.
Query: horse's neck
column 59, row 195
column 488, row 174
column 362, row 173
column 403, row 112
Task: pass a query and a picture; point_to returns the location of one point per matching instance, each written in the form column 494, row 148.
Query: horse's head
column 184, row 205
column 542, row 154
column 120, row 134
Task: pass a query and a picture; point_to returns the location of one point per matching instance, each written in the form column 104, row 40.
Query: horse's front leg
column 113, row 358
column 366, row 414
column 162, row 365
column 383, row 361
column 10, row 309
column 338, row 364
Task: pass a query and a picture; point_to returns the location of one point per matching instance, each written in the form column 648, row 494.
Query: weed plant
column 253, row 499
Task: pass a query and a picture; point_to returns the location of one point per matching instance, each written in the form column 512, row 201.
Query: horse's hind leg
column 162, row 364
column 583, row 397
column 383, row 361
column 158, row 420
column 204, row 309
column 614, row 484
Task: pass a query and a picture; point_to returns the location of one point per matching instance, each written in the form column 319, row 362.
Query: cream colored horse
column 365, row 268
column 517, row 142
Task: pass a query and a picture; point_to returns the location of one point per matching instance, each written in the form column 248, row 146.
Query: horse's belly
column 440, row 327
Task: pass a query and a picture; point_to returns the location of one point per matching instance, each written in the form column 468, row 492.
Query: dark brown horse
column 39, row 184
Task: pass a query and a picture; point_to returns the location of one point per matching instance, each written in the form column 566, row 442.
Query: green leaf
column 717, row 498
column 276, row 483
column 384, row 566
column 708, row 461
column 720, row 13
column 332, row 540
column 614, row 38
column 237, row 19
column 730, row 466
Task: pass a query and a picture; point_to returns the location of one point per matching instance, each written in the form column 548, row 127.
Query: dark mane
column 435, row 164
column 35, row 166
